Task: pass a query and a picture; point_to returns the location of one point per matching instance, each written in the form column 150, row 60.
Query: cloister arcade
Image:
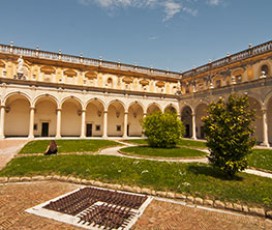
column 48, row 115
column 45, row 94
column 191, row 116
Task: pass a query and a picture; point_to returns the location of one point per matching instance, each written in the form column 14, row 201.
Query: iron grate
column 95, row 208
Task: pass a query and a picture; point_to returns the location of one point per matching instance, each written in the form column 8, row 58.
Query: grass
column 182, row 142
column 194, row 179
column 192, row 144
column 261, row 158
column 163, row 152
column 68, row 146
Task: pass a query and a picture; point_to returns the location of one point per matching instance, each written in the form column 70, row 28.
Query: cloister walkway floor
column 15, row 198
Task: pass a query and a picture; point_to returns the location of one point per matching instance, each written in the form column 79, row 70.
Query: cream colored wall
column 135, row 118
column 93, row 118
column 17, row 119
column 45, row 112
column 70, row 120
column 113, row 121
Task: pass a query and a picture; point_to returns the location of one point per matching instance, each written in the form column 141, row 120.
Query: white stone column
column 144, row 116
column 2, row 121
column 265, row 129
column 125, row 124
column 31, row 123
column 83, row 125
column 105, row 126
column 58, row 131
column 194, row 126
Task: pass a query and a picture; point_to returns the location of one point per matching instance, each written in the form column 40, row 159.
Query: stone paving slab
column 15, row 198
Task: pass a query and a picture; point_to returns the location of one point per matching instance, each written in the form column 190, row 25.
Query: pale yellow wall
column 17, row 119
column 70, row 120
column 92, row 117
column 45, row 112
column 113, row 121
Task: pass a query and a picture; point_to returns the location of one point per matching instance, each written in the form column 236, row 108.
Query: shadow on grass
column 208, row 170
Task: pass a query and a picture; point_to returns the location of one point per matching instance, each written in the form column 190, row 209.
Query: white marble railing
column 10, row 49
column 263, row 48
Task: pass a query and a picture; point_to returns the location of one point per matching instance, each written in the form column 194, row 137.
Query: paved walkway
column 8, row 149
column 15, row 198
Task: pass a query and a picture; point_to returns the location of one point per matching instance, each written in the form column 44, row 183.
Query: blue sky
column 166, row 34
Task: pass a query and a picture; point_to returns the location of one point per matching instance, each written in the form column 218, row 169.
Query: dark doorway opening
column 45, row 129
column 89, row 130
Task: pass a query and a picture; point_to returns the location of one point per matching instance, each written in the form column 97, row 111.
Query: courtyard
column 163, row 213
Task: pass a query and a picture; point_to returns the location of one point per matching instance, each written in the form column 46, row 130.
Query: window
column 265, row 70
column 118, row 128
column 97, row 128
column 238, row 79
column 218, row 83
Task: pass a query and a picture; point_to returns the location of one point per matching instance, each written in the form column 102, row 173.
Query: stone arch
column 17, row 93
column 171, row 108
column 153, row 107
column 116, row 112
column 17, row 115
column 258, row 123
column 45, row 119
column 74, row 98
column 52, row 98
column 186, row 118
column 200, row 112
column 71, row 110
column 94, row 118
column 135, row 117
column 115, row 100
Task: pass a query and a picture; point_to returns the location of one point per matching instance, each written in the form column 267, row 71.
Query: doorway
column 89, row 130
column 45, row 129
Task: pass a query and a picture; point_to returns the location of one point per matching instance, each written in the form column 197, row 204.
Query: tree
column 163, row 130
column 229, row 134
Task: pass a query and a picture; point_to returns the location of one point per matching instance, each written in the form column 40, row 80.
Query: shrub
column 163, row 130
column 228, row 133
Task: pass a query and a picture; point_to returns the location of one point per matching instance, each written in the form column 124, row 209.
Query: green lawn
column 261, row 158
column 68, row 146
column 192, row 143
column 163, row 152
column 182, row 142
column 195, row 179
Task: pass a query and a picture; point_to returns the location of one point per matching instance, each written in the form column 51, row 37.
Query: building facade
column 45, row 94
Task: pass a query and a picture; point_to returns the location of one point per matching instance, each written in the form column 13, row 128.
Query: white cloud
column 213, row 2
column 171, row 8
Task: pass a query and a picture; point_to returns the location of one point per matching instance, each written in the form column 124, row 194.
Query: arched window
column 109, row 82
column 265, row 69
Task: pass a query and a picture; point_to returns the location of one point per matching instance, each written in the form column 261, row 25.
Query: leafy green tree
column 163, row 130
column 229, row 134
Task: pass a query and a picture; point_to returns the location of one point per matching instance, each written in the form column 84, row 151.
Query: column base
column 265, row 144
column 30, row 137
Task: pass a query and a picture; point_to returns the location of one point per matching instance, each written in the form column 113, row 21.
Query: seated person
column 52, row 148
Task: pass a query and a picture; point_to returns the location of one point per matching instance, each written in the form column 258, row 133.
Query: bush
column 163, row 130
column 228, row 133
